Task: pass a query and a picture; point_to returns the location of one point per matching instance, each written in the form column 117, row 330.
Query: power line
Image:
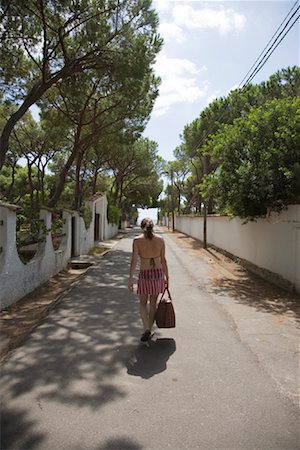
column 271, row 49
column 266, row 59
column 268, row 43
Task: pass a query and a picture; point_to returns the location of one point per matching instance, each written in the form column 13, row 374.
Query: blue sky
column 209, row 46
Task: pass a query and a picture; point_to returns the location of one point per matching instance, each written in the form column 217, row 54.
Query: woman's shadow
column 146, row 362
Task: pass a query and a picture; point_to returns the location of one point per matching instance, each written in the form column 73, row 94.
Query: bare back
column 150, row 251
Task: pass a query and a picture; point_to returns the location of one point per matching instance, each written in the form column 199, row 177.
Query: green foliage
column 97, row 250
column 88, row 66
column 32, row 230
column 136, row 169
column 259, row 161
column 62, row 50
column 113, row 214
column 87, row 215
column 11, row 192
column 29, row 231
column 57, row 222
column 226, row 136
column 176, row 173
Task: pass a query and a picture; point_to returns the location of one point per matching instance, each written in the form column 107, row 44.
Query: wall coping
column 265, row 216
column 10, row 206
column 195, row 216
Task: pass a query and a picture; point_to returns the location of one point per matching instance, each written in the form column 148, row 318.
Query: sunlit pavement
column 82, row 380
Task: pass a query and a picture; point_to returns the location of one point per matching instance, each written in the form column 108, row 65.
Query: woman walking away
column 153, row 275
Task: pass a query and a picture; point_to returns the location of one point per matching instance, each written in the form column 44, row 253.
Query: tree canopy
column 44, row 43
column 259, row 158
column 88, row 66
column 243, row 150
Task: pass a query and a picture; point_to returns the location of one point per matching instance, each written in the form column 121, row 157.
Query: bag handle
column 166, row 289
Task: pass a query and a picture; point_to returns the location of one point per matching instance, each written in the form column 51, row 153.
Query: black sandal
column 146, row 336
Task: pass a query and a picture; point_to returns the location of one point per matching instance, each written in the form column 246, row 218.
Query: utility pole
column 170, row 174
column 205, row 226
column 205, row 171
column 172, row 200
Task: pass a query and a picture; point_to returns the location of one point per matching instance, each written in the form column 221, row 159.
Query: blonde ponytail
column 147, row 227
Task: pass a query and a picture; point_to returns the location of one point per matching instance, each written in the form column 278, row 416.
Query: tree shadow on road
column 73, row 357
column 123, row 443
column 253, row 291
column 14, row 422
column 146, row 362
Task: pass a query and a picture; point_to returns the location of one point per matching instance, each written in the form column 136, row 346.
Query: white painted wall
column 111, row 230
column 18, row 279
column 107, row 230
column 270, row 243
column 86, row 236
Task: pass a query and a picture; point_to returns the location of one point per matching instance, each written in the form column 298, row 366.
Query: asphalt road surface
column 83, row 381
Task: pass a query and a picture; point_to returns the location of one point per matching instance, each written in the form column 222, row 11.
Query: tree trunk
column 94, row 184
column 29, row 171
column 205, row 227
column 206, row 170
column 77, row 195
column 78, row 148
column 61, row 183
column 179, row 201
column 209, row 206
column 35, row 94
column 120, row 195
column 10, row 188
column 43, row 185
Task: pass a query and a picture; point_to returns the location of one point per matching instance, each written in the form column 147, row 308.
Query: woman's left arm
column 164, row 263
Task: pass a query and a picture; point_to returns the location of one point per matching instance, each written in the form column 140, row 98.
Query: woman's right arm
column 134, row 258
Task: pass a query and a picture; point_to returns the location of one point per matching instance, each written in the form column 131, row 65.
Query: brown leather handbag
column 165, row 314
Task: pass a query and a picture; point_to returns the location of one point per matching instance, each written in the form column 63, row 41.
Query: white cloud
column 182, row 90
column 171, row 31
column 186, row 17
column 182, row 80
column 223, row 20
column 162, row 5
column 170, row 67
column 179, row 83
column 239, row 21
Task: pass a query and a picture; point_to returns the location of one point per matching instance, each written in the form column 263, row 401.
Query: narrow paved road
column 82, row 381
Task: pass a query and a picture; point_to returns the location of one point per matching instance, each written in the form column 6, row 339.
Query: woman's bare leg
column 153, row 301
column 144, row 311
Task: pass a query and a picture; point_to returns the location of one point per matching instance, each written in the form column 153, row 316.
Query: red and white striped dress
column 151, row 281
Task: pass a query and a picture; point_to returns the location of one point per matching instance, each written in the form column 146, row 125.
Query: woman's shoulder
column 159, row 238
column 138, row 238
